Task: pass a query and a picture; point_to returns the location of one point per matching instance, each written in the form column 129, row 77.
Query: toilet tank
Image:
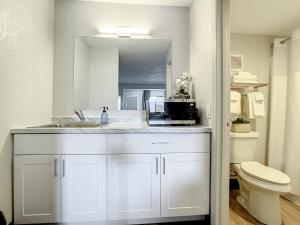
column 243, row 146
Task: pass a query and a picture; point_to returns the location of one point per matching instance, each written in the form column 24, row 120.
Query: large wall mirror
column 120, row 73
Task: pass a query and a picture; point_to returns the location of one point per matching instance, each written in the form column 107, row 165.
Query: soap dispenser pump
column 104, row 115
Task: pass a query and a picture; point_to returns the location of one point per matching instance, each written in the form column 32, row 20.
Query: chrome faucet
column 80, row 115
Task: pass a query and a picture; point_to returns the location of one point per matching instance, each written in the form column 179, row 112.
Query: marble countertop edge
column 115, row 129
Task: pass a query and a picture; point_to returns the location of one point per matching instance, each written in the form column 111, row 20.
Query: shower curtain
column 284, row 133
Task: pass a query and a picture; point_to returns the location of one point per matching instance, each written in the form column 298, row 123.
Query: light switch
column 208, row 111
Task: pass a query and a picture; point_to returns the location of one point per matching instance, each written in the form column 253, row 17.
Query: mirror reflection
column 120, row 73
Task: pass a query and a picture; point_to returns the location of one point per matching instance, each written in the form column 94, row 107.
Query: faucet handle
column 80, row 114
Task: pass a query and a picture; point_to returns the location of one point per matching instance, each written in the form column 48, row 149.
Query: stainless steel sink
column 71, row 125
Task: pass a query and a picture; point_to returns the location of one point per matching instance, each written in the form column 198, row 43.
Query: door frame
column 221, row 118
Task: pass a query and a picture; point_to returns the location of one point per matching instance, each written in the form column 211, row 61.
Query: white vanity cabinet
column 185, row 184
column 134, row 186
column 36, row 189
column 161, row 175
column 83, row 188
column 56, row 187
column 145, row 177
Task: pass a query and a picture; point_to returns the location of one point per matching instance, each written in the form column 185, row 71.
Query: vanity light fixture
column 123, row 31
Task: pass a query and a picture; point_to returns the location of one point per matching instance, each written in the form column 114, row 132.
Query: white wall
column 256, row 51
column 73, row 18
column 26, row 68
column 104, row 78
column 81, row 74
column 202, row 53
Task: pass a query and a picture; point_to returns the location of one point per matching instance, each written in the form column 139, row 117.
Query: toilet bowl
column 260, row 185
column 260, row 190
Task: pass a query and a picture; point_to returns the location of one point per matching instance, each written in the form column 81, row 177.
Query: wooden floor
column 184, row 223
column 239, row 216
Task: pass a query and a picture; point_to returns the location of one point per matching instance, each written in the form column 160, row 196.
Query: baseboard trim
column 293, row 198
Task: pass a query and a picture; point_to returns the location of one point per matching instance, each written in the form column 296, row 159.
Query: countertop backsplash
column 126, row 116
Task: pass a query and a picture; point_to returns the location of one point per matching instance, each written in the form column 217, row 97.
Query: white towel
column 249, row 105
column 235, row 102
column 239, row 77
column 258, row 102
column 244, row 73
column 244, row 81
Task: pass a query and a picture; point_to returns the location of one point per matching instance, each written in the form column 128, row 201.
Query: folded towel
column 244, row 73
column 239, row 77
column 249, row 109
column 244, row 81
column 235, row 96
column 235, row 102
column 258, row 96
column 258, row 104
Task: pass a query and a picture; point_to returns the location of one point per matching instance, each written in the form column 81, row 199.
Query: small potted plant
column 241, row 125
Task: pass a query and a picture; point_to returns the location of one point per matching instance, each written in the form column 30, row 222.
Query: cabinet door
column 36, row 189
column 83, row 188
column 185, row 184
column 134, row 186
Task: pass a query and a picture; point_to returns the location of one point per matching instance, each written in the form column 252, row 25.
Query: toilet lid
column 265, row 173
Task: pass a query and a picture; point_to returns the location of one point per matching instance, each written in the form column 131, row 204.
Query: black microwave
column 171, row 112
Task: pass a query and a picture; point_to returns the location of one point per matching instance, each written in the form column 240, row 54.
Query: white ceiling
column 180, row 3
column 271, row 17
column 142, row 61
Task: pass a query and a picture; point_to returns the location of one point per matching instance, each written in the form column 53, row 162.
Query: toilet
column 260, row 185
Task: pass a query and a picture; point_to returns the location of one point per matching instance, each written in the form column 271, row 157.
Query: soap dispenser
column 104, row 115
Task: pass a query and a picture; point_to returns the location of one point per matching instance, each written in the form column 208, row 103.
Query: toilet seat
column 265, row 173
column 259, row 183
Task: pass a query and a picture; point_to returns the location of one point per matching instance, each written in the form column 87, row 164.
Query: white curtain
column 278, row 88
column 284, row 134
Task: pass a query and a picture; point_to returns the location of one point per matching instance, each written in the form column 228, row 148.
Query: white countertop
column 116, row 128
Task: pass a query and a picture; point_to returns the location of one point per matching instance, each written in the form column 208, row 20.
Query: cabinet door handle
column 156, row 165
column 63, row 168
column 160, row 142
column 55, row 167
column 164, row 165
